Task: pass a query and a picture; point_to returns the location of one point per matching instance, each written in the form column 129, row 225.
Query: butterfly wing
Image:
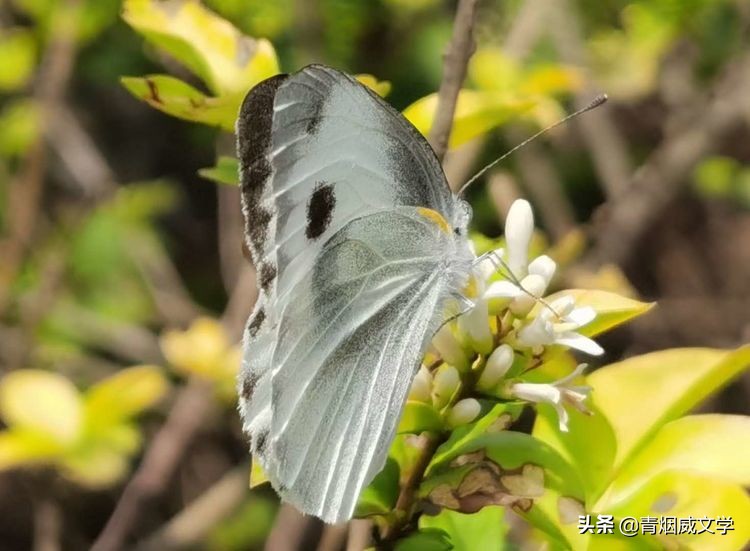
column 345, row 206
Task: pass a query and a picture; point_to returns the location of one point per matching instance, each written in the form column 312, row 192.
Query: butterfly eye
column 457, row 231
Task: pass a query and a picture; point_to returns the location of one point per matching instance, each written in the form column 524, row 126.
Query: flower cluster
column 506, row 332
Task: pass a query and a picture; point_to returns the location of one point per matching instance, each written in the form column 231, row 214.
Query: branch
column 159, row 463
column 188, row 527
column 662, row 177
column 455, row 61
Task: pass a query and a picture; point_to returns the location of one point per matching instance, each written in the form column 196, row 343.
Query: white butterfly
column 359, row 245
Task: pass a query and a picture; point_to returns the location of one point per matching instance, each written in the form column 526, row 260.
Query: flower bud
column 475, row 326
column 465, row 411
column 496, row 367
column 543, row 266
column 421, row 386
column 449, row 349
column 444, row 385
column 522, row 305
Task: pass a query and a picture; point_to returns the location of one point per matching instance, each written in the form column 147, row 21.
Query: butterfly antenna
column 596, row 102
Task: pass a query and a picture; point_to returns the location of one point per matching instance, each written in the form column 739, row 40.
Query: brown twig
column 190, row 525
column 455, row 62
column 47, row 526
column 26, row 189
column 607, row 147
column 158, row 465
column 661, row 178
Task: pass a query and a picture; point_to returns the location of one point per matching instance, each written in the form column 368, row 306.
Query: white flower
column 557, row 324
column 464, row 412
column 449, row 349
column 421, row 386
column 528, row 284
column 445, row 383
column 496, row 367
column 557, row 394
column 527, row 280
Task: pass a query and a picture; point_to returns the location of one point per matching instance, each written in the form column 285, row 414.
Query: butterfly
column 360, row 246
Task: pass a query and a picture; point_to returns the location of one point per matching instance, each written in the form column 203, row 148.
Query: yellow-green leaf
column 684, row 494
column 640, row 394
column 419, row 417
column 19, row 446
column 476, row 113
column 380, row 87
column 18, row 54
column 611, row 309
column 41, row 401
column 713, row 445
column 176, row 98
column 20, row 120
column 257, row 475
column 125, row 394
column 95, row 466
column 226, row 171
column 228, row 61
column 484, row 529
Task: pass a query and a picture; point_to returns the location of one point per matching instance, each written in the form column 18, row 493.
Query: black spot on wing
column 254, row 126
column 256, row 322
column 320, row 210
column 248, row 386
column 316, row 117
column 261, row 440
column 266, row 275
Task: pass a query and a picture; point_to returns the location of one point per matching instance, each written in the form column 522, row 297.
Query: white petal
column 579, row 342
column 533, row 392
column 421, row 386
column 563, row 305
column 543, row 266
column 465, row 411
column 538, row 332
column 562, row 417
column 581, row 316
column 448, row 348
column 533, row 287
column 476, row 326
column 502, row 289
column 519, row 227
column 496, row 367
column 444, row 385
column 580, row 368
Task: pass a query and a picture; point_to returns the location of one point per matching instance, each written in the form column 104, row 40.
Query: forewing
column 317, row 150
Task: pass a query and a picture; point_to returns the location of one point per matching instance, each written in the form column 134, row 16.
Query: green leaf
column 498, row 418
column 20, row 120
column 176, row 98
column 379, row 498
column 41, row 401
column 485, row 529
column 124, row 395
column 18, row 54
column 419, row 417
column 476, row 114
column 611, row 309
column 429, row 539
column 226, row 171
column 228, row 61
column 640, row 394
column 702, row 444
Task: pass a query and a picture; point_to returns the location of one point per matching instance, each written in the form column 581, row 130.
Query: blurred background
column 123, row 282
